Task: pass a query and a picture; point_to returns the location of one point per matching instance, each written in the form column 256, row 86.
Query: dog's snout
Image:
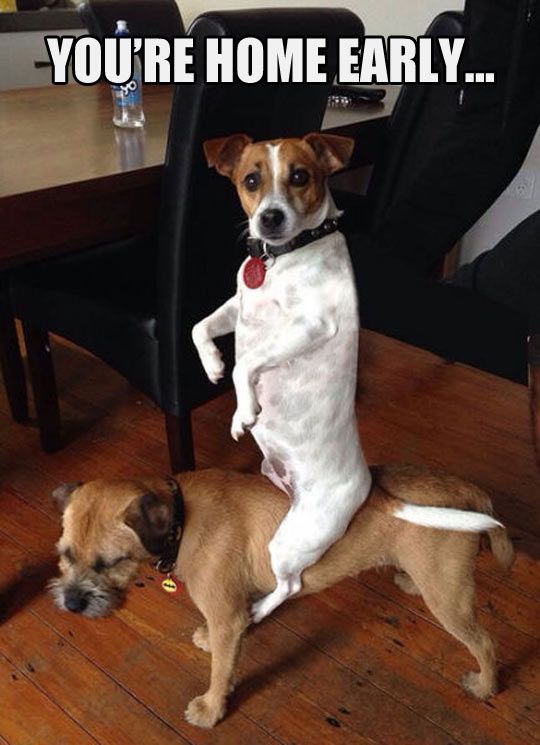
column 75, row 601
column 272, row 218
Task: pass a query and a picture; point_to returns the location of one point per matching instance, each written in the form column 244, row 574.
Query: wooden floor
column 360, row 663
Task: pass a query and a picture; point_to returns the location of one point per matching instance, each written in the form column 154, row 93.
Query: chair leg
column 180, row 442
column 44, row 386
column 11, row 364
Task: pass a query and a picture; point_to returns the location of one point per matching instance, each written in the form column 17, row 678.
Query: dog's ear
column 333, row 151
column 224, row 153
column 151, row 518
column 62, row 494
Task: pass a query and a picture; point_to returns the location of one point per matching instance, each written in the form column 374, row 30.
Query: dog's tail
column 418, row 495
column 501, row 547
column 448, row 518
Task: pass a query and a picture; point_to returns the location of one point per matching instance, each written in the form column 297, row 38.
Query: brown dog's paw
column 473, row 684
column 201, row 638
column 405, row 583
column 202, row 713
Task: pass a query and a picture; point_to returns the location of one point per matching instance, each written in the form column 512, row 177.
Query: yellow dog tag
column 169, row 585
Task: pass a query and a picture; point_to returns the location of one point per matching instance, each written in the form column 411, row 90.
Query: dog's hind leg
column 268, row 471
column 295, row 546
column 451, row 600
column 286, row 586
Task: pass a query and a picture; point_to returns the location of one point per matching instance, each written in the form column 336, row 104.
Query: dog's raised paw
column 201, row 639
column 472, row 682
column 214, row 366
column 202, row 713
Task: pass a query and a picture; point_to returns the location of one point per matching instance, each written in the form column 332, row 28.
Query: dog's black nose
column 272, row 218
column 75, row 601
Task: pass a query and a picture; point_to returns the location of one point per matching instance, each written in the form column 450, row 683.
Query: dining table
column 70, row 179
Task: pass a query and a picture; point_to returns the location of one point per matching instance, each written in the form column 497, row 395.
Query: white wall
column 407, row 17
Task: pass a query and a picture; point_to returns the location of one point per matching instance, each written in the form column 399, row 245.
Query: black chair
column 133, row 303
column 153, row 18
column 450, row 151
column 11, row 363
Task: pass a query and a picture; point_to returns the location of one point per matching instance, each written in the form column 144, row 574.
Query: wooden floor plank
column 89, row 697
column 28, row 717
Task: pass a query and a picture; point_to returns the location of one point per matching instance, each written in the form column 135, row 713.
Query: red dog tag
column 254, row 273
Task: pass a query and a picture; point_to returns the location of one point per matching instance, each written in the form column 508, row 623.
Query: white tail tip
column 446, row 518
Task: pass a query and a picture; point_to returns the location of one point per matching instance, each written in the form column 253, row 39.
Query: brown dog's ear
column 224, row 153
column 332, row 150
column 151, row 518
column 62, row 494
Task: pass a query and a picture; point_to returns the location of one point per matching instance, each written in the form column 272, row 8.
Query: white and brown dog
column 213, row 528
column 295, row 318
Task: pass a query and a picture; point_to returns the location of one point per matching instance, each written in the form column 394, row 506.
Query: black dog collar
column 166, row 562
column 262, row 250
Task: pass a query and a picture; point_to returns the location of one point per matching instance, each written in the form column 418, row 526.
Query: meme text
column 372, row 59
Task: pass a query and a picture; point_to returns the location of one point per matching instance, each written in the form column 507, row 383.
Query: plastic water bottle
column 127, row 98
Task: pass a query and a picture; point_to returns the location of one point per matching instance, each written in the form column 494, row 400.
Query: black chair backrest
column 201, row 219
column 431, row 105
column 145, row 18
column 452, row 149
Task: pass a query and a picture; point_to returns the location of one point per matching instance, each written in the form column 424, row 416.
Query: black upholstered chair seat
column 103, row 300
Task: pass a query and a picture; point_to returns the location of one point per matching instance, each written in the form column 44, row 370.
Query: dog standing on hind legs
column 295, row 318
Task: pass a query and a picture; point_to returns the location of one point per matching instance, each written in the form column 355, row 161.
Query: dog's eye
column 252, row 181
column 67, row 555
column 99, row 565
column 299, row 177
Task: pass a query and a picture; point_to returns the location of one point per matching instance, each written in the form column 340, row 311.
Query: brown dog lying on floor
column 226, row 520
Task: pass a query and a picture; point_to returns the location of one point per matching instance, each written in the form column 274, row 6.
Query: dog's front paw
column 209, row 354
column 203, row 712
column 243, row 420
column 213, row 364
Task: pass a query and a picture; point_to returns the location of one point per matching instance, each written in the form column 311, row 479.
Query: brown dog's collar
column 262, row 250
column 166, row 562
